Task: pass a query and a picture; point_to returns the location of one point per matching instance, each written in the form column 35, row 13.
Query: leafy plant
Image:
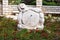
column 51, row 2
column 16, row 2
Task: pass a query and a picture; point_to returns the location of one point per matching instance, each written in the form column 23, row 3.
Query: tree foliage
column 51, row 2
column 28, row 2
column 33, row 2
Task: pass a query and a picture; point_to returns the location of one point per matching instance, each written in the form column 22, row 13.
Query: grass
column 8, row 31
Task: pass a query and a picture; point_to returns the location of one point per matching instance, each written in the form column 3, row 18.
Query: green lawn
column 8, row 30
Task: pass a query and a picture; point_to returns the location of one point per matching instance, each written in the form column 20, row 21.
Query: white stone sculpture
column 30, row 18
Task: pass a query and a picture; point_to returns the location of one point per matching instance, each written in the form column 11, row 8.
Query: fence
column 52, row 9
column 0, row 9
column 48, row 9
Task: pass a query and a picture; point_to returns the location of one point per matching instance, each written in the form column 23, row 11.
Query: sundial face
column 30, row 18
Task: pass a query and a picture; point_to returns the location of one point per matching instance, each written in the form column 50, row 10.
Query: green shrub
column 51, row 3
column 28, row 2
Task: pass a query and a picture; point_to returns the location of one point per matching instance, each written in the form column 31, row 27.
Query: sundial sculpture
column 30, row 18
